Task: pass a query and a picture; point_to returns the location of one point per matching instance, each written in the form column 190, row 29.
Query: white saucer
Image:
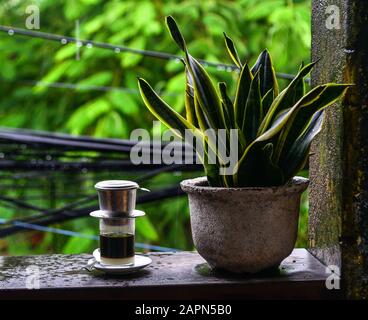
column 140, row 262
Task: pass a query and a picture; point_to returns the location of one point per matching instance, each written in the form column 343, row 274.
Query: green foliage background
column 283, row 26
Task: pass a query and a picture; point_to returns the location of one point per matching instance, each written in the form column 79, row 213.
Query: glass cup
column 117, row 240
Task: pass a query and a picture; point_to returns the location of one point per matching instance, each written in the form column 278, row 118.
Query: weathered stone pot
column 244, row 229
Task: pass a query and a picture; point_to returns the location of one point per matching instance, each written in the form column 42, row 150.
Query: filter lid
column 116, row 185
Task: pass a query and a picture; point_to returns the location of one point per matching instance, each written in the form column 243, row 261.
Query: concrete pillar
column 338, row 223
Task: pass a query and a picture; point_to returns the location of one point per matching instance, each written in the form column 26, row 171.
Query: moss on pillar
column 338, row 227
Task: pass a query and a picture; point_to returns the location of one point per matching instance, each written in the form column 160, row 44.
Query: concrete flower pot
column 244, row 229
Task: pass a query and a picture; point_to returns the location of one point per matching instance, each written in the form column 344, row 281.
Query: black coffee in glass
column 117, row 245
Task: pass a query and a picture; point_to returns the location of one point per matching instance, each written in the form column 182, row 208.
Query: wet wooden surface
column 183, row 275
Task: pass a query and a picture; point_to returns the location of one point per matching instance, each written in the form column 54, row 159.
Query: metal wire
column 73, row 86
column 118, row 49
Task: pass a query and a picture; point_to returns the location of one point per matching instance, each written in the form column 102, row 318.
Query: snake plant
column 275, row 129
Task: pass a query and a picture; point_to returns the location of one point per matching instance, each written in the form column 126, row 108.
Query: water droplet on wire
column 10, row 32
column 79, row 44
column 89, row 45
column 64, row 41
column 117, row 50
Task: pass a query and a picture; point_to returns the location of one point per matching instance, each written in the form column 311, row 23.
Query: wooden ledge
column 181, row 275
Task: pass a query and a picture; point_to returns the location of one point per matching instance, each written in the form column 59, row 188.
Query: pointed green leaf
column 189, row 99
column 232, row 51
column 326, row 95
column 212, row 171
column 203, row 122
column 285, row 99
column 274, row 133
column 253, row 111
column 241, row 94
column 267, row 101
column 294, row 159
column 206, row 94
column 299, row 90
column 228, row 107
column 267, row 73
column 175, row 33
column 161, row 110
column 258, row 170
column 230, row 116
column 204, row 125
